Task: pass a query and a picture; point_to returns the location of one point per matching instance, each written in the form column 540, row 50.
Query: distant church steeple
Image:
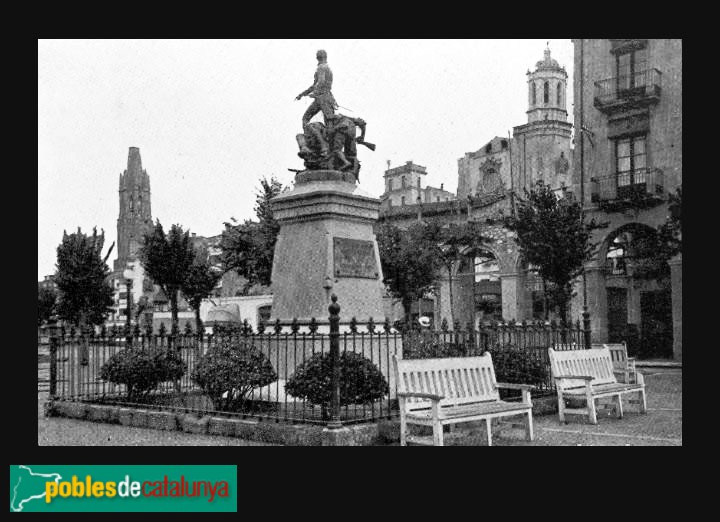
column 135, row 218
column 547, row 88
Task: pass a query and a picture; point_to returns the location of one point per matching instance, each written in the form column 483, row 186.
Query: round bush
column 142, row 371
column 519, row 367
column 228, row 372
column 360, row 381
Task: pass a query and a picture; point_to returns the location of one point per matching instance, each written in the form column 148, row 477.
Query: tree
column 650, row 250
column 84, row 294
column 249, row 247
column 554, row 238
column 448, row 242
column 409, row 262
column 199, row 283
column 167, row 260
column 47, row 298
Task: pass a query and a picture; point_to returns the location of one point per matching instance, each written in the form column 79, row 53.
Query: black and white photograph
column 366, row 242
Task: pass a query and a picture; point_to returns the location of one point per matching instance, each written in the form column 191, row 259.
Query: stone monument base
column 326, row 245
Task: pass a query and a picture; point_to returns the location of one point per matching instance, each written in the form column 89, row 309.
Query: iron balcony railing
column 641, row 85
column 640, row 183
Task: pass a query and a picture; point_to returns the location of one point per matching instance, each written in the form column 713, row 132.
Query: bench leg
column 529, row 425
column 643, row 403
column 592, row 413
column 561, row 407
column 489, row 431
column 437, row 434
column 403, row 433
column 618, row 402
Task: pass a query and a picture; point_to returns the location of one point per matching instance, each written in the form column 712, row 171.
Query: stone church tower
column 542, row 147
column 135, row 218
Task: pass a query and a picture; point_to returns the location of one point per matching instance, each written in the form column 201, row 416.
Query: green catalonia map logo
column 123, row 488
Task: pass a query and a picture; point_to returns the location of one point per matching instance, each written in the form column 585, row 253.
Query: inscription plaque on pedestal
column 354, row 258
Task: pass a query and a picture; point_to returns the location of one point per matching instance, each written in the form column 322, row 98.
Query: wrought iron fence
column 77, row 362
column 519, row 352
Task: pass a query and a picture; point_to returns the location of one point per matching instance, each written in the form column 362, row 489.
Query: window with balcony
column 631, row 72
column 631, row 156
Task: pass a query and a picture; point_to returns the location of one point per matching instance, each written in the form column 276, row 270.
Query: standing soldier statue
column 321, row 90
column 330, row 145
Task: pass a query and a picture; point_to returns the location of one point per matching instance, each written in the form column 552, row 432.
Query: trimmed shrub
column 360, row 381
column 141, row 371
column 520, row 367
column 229, row 371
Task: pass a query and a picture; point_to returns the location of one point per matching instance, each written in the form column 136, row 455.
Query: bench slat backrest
column 595, row 362
column 460, row 380
column 618, row 354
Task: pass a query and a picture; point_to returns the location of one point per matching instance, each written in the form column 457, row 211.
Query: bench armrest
column 583, row 377
column 513, row 386
column 421, row 395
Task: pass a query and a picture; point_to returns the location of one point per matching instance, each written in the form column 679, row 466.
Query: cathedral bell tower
column 542, row 148
column 135, row 218
column 547, row 87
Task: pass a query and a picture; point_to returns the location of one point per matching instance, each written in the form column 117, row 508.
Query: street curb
column 658, row 364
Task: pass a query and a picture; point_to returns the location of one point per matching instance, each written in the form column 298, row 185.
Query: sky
column 212, row 117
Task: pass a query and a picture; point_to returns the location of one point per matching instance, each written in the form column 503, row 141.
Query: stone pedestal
column 676, row 279
column 326, row 245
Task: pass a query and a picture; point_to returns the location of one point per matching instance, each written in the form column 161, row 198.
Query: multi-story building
column 403, row 186
column 493, row 282
column 48, row 283
column 628, row 159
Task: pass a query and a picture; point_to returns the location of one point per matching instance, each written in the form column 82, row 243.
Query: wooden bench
column 622, row 364
column 439, row 392
column 589, row 375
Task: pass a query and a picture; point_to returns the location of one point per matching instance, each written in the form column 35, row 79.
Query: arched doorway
column 487, row 294
column 639, row 303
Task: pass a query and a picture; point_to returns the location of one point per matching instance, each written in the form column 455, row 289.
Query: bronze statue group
column 331, row 145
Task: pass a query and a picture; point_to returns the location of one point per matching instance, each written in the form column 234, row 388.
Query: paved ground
column 661, row 426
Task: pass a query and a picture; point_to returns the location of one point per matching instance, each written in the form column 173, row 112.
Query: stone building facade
column 628, row 159
column 485, row 171
column 403, row 186
column 492, row 282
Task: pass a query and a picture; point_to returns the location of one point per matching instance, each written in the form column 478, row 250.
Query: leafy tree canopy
column 47, row 299
column 412, row 258
column 167, row 260
column 553, row 237
column 199, row 282
column 84, row 293
column 248, row 247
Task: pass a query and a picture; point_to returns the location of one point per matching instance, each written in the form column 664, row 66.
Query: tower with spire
column 135, row 217
column 542, row 147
